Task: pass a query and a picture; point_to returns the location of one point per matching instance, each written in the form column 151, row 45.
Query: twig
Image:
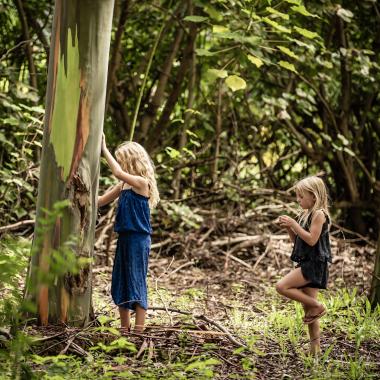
column 14, row 226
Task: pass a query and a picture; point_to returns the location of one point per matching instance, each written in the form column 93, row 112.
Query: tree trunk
column 164, row 120
column 75, row 100
column 218, row 131
column 116, row 51
column 158, row 96
column 188, row 114
column 28, row 45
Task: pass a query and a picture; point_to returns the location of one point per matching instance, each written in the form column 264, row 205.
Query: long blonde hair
column 317, row 187
column 135, row 160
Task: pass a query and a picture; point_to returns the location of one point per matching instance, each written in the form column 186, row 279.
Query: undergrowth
column 274, row 337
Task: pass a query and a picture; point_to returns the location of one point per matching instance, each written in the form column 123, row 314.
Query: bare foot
column 314, row 313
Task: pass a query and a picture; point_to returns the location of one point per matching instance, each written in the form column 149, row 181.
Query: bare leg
column 288, row 287
column 125, row 320
column 140, row 318
column 314, row 330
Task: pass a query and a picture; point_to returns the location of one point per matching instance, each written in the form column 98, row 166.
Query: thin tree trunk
column 218, row 131
column 176, row 90
column 158, row 96
column 69, row 170
column 188, row 114
column 116, row 51
column 28, row 45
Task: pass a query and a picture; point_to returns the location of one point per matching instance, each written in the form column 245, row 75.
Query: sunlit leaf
column 276, row 25
column 288, row 52
column 288, row 66
column 306, row 33
column 218, row 73
column 276, row 12
column 345, row 14
column 255, row 60
column 219, row 29
column 303, row 11
column 236, row 83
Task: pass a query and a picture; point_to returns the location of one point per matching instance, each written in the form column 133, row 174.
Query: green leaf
column 349, row 151
column 256, row 61
column 276, row 12
column 288, row 66
column 345, row 14
column 288, row 52
column 219, row 29
column 306, row 33
column 303, row 11
column 11, row 121
column 204, row 52
column 195, row 18
column 276, row 25
column 343, row 139
column 297, row 2
column 217, row 73
column 236, row 83
column 173, row 153
column 213, row 13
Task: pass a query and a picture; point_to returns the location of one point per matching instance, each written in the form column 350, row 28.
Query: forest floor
column 212, row 316
column 214, row 313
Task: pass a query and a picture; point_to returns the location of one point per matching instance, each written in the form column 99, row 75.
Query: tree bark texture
column 75, row 100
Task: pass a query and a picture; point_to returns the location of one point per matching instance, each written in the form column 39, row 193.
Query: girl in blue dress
column 138, row 193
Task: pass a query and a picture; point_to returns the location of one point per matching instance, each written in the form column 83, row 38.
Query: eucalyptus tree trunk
column 75, row 100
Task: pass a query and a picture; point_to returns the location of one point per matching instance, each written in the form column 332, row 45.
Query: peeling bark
column 69, row 171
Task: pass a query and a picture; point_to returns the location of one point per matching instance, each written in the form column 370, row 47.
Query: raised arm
column 110, row 195
column 134, row 181
column 310, row 237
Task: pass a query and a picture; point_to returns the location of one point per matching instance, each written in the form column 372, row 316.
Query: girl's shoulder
column 320, row 216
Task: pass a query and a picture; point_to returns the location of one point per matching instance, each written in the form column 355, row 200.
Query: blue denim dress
column 130, row 267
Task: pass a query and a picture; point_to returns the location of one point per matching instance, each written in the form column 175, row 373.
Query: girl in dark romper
column 311, row 252
column 137, row 193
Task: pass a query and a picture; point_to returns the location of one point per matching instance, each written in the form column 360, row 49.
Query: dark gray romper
column 313, row 260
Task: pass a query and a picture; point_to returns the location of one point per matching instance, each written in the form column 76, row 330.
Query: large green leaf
column 288, row 52
column 213, row 74
column 277, row 13
column 306, row 33
column 276, row 25
column 255, row 60
column 236, row 83
column 288, row 66
column 303, row 11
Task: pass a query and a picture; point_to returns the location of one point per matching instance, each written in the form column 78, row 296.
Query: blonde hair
column 134, row 159
column 317, row 187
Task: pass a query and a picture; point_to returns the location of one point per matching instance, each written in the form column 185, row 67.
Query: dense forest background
column 234, row 101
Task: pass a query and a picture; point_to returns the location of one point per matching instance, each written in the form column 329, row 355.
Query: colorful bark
column 70, row 159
